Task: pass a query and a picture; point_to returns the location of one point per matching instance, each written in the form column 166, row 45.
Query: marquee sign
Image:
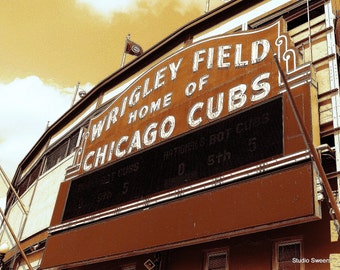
column 249, row 136
column 209, row 129
column 197, row 85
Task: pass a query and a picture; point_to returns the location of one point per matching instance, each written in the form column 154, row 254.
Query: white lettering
column 155, row 105
column 174, row 69
column 203, row 81
column 119, row 153
column 134, row 98
column 210, row 60
column 132, row 117
column 159, row 79
column 197, row 59
column 143, row 111
column 191, row 121
column 112, row 117
column 86, row 166
column 255, row 57
column 169, row 123
column 128, row 144
column 150, row 134
column 135, row 142
column 112, row 145
column 230, row 99
column 238, row 56
column 146, row 90
column 122, row 111
column 97, row 129
column 167, row 100
column 237, row 97
column 261, row 89
column 258, row 52
column 222, row 54
column 100, row 155
column 190, row 89
column 211, row 114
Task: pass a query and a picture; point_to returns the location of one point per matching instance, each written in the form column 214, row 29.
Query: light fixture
column 82, row 93
column 4, row 248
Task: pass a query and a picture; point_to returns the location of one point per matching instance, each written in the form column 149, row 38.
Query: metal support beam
column 13, row 190
column 16, row 240
column 310, row 144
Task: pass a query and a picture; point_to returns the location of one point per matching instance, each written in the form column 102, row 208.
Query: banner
column 133, row 48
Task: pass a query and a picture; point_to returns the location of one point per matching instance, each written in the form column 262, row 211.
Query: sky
column 48, row 46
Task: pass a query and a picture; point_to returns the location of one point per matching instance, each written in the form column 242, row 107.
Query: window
column 288, row 255
column 61, row 151
column 72, row 144
column 216, row 260
column 55, row 156
column 298, row 17
column 29, row 179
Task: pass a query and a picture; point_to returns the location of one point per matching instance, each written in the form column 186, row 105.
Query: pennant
column 133, row 48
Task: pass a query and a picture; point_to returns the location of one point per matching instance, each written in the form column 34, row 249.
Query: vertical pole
column 334, row 84
column 310, row 33
column 207, row 6
column 13, row 190
column 16, row 240
column 124, row 52
column 75, row 94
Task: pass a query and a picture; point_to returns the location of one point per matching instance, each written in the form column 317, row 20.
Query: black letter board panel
column 238, row 140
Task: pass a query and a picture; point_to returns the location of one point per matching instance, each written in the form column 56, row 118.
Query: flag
column 133, row 48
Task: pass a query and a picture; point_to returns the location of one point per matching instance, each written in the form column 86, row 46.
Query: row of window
column 287, row 256
column 52, row 158
column 61, row 151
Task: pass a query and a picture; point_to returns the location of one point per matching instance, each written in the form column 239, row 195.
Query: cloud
column 27, row 105
column 107, row 8
column 66, row 42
